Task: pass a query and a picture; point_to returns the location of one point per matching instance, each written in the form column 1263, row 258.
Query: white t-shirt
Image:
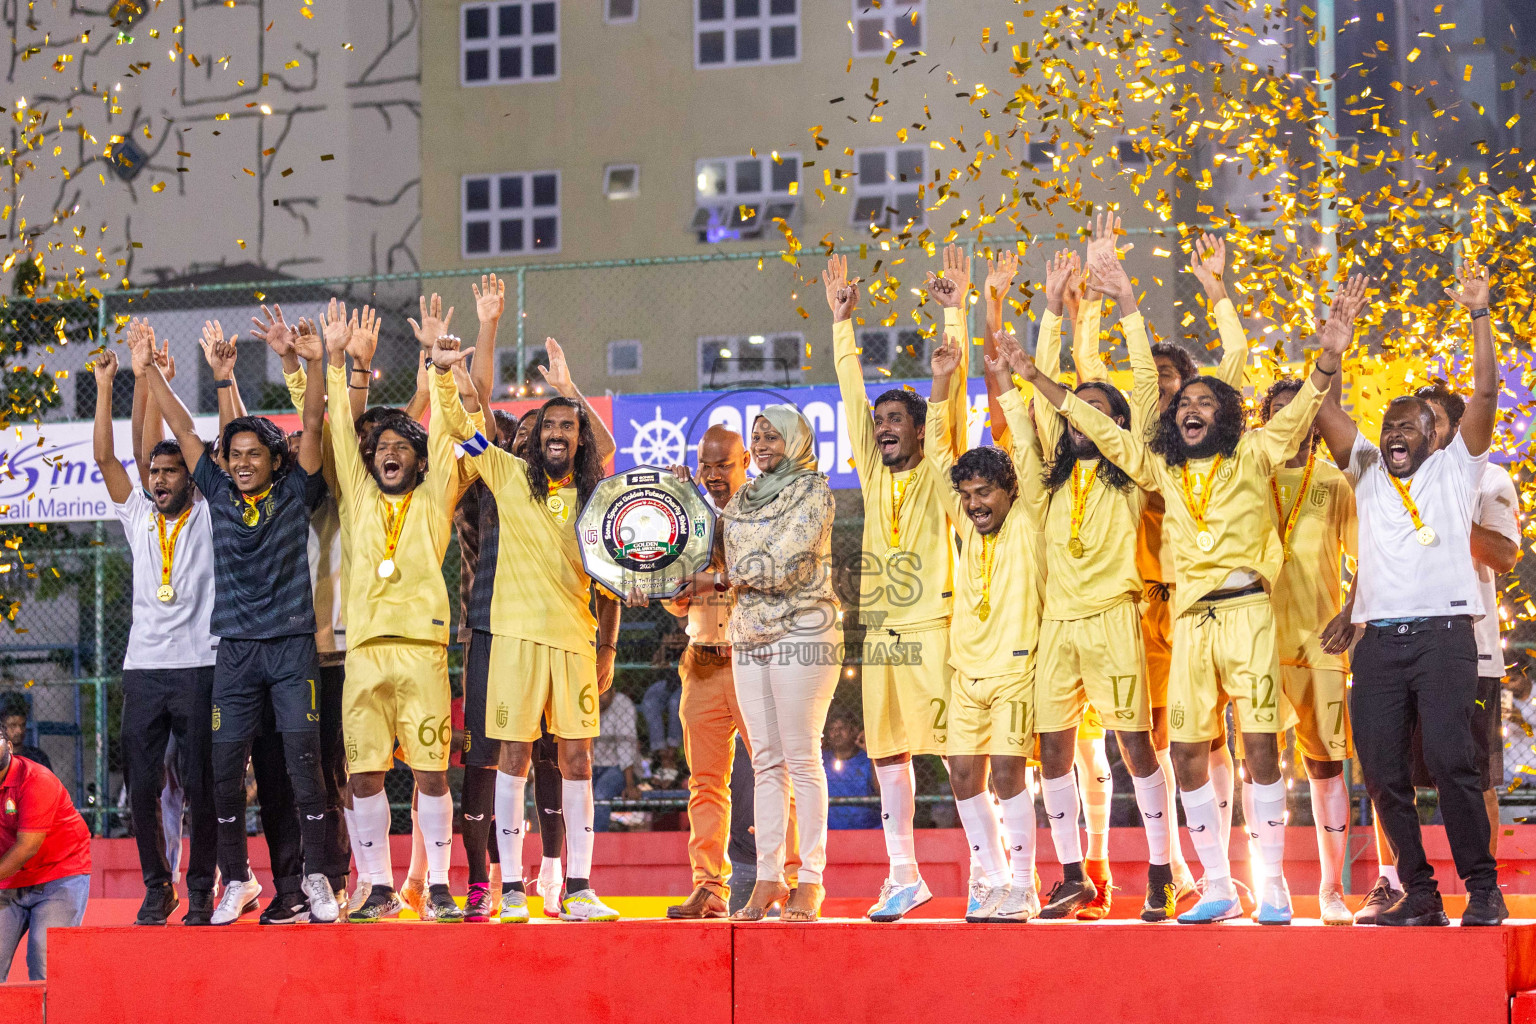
column 1497, row 508
column 174, row 635
column 1399, row 577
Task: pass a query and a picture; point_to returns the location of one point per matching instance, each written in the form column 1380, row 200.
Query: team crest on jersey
column 1176, row 716
column 10, row 805
column 1224, row 473
column 1319, row 496
column 215, row 718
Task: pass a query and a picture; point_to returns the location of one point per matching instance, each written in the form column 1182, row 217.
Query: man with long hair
column 543, row 658
column 1226, row 553
column 905, row 572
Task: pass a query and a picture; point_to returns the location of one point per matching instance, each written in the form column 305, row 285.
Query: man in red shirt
column 45, row 859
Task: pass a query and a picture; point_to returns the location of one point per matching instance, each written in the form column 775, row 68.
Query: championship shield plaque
column 645, row 528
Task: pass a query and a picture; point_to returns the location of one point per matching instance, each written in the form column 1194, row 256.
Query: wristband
column 358, row 387
column 1479, row 312
column 226, row 382
column 612, row 647
column 363, row 370
column 719, row 586
column 1326, row 373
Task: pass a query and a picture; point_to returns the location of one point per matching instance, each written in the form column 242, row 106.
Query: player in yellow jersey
column 906, row 579
column 1313, row 508
column 995, row 505
column 544, row 661
column 1215, row 479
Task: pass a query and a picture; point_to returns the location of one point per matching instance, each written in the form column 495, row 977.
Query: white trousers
column 784, row 690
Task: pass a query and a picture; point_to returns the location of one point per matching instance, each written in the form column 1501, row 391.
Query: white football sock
column 1220, row 762
column 1097, row 784
column 577, row 800
column 418, row 868
column 898, row 800
column 1269, row 811
column 1061, row 810
column 511, row 791
column 1019, row 822
column 435, row 816
column 371, row 817
column 980, row 822
column 1203, row 819
column 350, row 817
column 1256, row 868
column 1152, row 802
column 1383, row 851
column 1330, row 812
column 1389, row 872
column 551, row 866
column 1175, row 851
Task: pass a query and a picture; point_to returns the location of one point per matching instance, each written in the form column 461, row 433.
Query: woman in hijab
column 786, row 633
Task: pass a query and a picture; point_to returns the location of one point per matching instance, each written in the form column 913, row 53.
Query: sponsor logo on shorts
column 215, row 718
column 587, row 723
column 501, row 715
column 351, row 749
column 1176, row 716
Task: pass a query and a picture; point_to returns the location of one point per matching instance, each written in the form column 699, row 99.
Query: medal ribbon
column 1289, row 519
column 555, row 485
column 988, row 557
column 394, row 522
column 898, row 494
column 1408, row 502
column 1082, row 483
column 257, row 499
column 168, row 546
column 1198, row 504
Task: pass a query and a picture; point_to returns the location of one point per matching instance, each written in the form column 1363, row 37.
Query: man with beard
column 1313, row 509
column 906, row 556
column 997, row 505
column 1418, row 597
column 168, row 666
column 1226, row 552
column 1090, row 632
column 543, row 660
column 264, row 617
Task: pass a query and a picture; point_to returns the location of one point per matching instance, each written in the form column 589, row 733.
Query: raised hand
column 1077, row 288
column 1105, row 227
column 842, row 294
column 141, row 346
column 433, row 322
column 1059, row 273
column 364, row 339
column 446, row 354
column 334, row 326
column 1110, row 278
column 219, row 353
column 167, row 362
column 274, row 330
column 490, row 297
column 999, row 370
column 1009, row 349
column 1001, row 272
column 1339, row 331
column 558, row 373
column 306, row 342
column 105, row 368
column 957, row 269
column 1473, row 293
column 1207, row 262
column 945, row 359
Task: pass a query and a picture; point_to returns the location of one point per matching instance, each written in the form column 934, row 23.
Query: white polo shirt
column 174, row 635
column 1399, row 577
column 1497, row 508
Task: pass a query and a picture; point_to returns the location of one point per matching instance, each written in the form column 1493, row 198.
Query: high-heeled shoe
column 764, row 896
column 804, row 904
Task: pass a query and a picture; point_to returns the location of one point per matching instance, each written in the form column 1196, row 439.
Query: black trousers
column 156, row 706
column 279, row 815
column 336, row 856
column 1422, row 673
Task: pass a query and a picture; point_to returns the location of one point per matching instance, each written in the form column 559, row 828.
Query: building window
column 621, row 181
column 894, row 353
column 729, row 33
column 616, row 12
column 771, row 359
column 876, row 28
column 1128, row 153
column 623, row 358
column 517, row 41
column 886, row 187
column 1040, row 154
column 511, row 213
column 738, row 197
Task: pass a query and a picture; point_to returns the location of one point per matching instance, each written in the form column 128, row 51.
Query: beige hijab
column 799, row 457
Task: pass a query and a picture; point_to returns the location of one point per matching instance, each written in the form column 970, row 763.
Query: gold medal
column 394, row 523
column 1422, row 533
column 984, row 609
column 166, row 594
column 251, row 515
column 386, row 568
column 555, row 504
column 1205, row 540
column 1075, row 548
column 1425, row 535
column 1197, row 498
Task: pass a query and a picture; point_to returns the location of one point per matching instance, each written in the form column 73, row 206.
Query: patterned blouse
column 779, row 559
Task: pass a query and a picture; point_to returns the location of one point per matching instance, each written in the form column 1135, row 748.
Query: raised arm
column 152, row 430
column 558, row 375
column 842, row 300
column 350, row 473
column 490, row 302
column 1060, row 275
column 175, row 413
column 119, row 486
column 1000, row 275
column 1028, row 465
column 1208, row 262
column 938, row 439
column 434, row 323
column 1483, row 408
column 952, row 292
column 144, row 437
column 311, row 349
column 220, row 355
column 362, row 342
column 1112, row 279
column 448, row 362
column 1337, row 427
column 1086, row 307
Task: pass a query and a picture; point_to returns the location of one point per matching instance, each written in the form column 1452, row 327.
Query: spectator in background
column 849, row 773
column 45, row 859
column 14, row 713
column 663, row 725
column 1519, row 723
column 615, row 755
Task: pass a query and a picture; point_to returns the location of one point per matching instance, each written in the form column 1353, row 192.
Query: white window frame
column 890, row 189
column 608, row 189
column 897, row 339
column 639, row 358
column 738, row 344
column 717, row 218
column 495, row 42
column 890, row 14
column 495, row 215
column 610, row 19
column 730, row 24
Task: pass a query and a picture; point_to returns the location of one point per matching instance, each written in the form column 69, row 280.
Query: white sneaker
column 239, row 899
column 1022, row 904
column 1331, row 908
column 550, row 881
column 992, row 898
column 514, row 908
column 359, row 895
column 322, row 899
column 585, row 906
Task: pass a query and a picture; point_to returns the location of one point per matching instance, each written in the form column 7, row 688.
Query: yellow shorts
column 1095, row 660
column 906, row 692
column 529, row 681
column 1320, row 697
column 397, row 690
column 992, row 716
column 1225, row 650
column 1156, row 626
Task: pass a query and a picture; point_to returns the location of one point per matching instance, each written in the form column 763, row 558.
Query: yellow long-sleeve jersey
column 1309, row 590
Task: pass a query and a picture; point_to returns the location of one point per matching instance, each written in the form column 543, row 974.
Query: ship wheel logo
column 659, row 442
